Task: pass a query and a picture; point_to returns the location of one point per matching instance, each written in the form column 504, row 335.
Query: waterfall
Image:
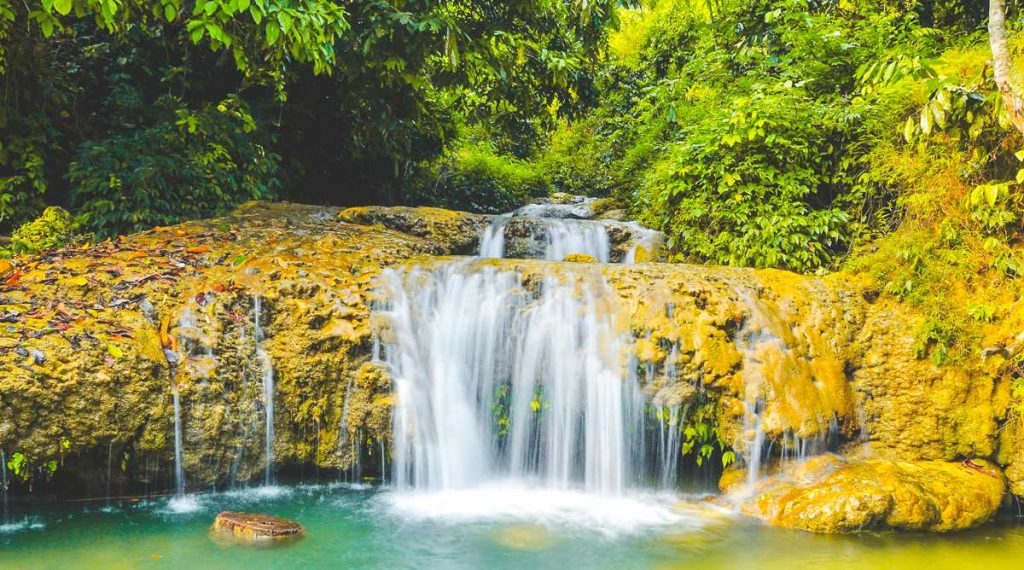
column 496, row 381
column 267, row 368
column 754, row 337
column 492, row 243
column 566, row 237
column 3, row 487
column 669, row 434
column 179, row 468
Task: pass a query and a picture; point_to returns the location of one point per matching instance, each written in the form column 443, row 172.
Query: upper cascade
column 567, row 229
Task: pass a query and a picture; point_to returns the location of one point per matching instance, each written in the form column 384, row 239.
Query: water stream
column 267, row 370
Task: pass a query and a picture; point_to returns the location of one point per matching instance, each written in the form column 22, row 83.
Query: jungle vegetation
column 810, row 135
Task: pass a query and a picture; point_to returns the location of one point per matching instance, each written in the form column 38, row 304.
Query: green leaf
column 63, row 7
column 909, row 128
column 991, row 194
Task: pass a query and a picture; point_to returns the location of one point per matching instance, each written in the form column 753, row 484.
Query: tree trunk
column 1002, row 65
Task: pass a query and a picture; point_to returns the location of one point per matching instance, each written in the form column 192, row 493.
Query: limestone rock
column 580, row 258
column 252, row 527
column 451, row 232
column 830, row 495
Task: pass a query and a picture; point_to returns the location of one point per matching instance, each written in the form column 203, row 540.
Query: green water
column 365, row 528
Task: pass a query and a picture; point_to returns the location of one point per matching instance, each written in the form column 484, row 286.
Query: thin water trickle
column 267, row 369
column 179, row 468
column 3, row 487
column 753, row 337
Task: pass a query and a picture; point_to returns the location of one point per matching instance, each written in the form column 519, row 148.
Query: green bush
column 475, row 177
column 185, row 164
column 54, row 229
column 747, row 186
column 581, row 159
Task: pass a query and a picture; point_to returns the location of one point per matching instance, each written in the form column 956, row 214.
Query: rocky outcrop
column 255, row 528
column 450, row 232
column 93, row 340
column 830, row 495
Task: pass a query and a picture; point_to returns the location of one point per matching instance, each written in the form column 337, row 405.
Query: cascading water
column 515, row 398
column 555, row 231
column 267, row 369
column 762, row 345
column 492, row 242
column 494, row 381
column 669, row 433
column 179, row 468
column 565, row 237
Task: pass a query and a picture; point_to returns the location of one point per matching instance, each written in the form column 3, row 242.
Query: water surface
column 359, row 527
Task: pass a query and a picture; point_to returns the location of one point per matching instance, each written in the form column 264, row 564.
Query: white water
column 179, row 468
column 267, row 369
column 492, row 243
column 469, row 345
column 567, row 229
column 610, row 515
column 565, row 237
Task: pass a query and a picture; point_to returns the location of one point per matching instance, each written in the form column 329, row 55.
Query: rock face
column 251, row 527
column 92, row 340
column 830, row 495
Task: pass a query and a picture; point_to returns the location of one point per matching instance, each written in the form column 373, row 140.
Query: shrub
column 749, row 185
column 184, row 164
column 55, row 228
column 475, row 177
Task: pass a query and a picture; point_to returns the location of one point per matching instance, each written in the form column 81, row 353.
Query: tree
column 1003, row 65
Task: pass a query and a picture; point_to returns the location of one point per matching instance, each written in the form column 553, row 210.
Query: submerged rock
column 252, row 527
column 830, row 495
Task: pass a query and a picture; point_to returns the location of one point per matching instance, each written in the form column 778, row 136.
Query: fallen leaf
column 197, row 249
column 115, row 351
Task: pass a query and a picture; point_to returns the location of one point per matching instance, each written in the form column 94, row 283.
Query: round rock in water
column 256, row 528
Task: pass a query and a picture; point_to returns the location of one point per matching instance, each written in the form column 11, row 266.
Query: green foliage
column 742, row 129
column 365, row 92
column 746, row 186
column 475, row 177
column 182, row 164
column 18, row 465
column 701, row 437
column 581, row 160
column 936, row 338
column 54, row 229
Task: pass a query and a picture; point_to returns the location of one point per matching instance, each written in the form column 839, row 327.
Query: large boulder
column 831, row 495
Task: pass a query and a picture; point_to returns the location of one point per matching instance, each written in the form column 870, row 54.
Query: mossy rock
column 830, row 495
column 253, row 527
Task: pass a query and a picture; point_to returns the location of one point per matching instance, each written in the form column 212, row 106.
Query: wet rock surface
column 830, row 495
column 93, row 339
column 254, row 527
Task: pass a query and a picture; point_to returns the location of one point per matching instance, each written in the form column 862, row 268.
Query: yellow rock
column 833, row 496
column 251, row 527
column 580, row 258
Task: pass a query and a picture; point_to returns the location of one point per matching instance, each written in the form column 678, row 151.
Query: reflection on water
column 358, row 527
